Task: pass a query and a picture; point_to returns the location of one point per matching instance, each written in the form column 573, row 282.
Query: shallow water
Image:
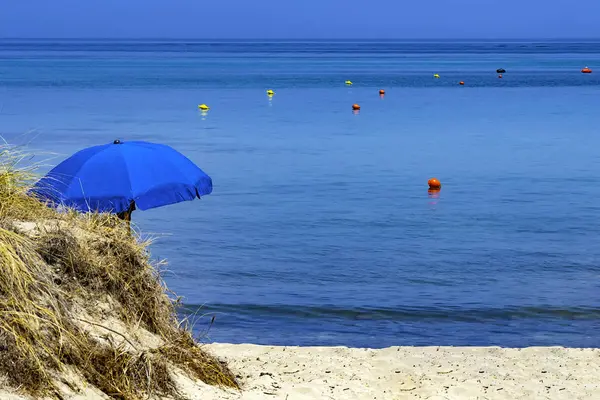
column 320, row 230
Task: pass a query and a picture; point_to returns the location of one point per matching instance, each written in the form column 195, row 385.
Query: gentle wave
column 399, row 314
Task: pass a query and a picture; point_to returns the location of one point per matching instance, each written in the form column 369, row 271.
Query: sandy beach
column 433, row 373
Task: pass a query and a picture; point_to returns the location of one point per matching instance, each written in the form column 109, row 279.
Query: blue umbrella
column 122, row 176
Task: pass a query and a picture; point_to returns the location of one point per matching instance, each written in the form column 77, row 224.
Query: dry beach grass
column 67, row 281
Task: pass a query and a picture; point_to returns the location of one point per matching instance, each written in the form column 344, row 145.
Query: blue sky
column 300, row 19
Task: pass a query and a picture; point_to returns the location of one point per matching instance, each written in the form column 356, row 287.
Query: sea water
column 320, row 229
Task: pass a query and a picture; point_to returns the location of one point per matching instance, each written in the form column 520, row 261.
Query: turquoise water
column 320, row 229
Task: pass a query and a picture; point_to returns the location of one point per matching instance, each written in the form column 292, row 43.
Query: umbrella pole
column 126, row 215
column 128, row 219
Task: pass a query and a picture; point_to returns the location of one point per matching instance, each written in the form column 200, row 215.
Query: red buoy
column 461, row 83
column 355, row 107
column 586, row 70
column 382, row 92
column 499, row 76
column 434, row 184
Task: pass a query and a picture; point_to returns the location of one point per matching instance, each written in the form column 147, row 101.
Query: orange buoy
column 355, row 107
column 434, row 184
column 500, row 76
column 586, row 70
column 461, row 83
column 382, row 92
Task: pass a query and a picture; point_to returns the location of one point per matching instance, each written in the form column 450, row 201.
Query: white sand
column 295, row 373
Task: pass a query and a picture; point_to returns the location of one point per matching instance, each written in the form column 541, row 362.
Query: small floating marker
column 461, row 83
column 499, row 76
column 382, row 92
column 270, row 92
column 355, row 107
column 349, row 83
column 434, row 184
column 204, row 107
column 500, row 71
column 586, row 70
column 436, row 76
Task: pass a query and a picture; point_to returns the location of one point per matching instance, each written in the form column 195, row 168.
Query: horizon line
column 446, row 39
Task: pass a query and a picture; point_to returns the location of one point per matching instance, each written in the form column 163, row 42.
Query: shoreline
column 281, row 372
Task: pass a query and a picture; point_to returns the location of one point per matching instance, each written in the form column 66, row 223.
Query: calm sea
column 320, row 230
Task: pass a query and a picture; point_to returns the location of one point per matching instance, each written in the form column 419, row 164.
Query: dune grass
column 68, row 259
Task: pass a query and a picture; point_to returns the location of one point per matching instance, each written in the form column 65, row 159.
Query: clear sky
column 295, row 19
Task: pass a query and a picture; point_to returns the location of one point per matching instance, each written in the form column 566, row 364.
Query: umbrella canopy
column 109, row 178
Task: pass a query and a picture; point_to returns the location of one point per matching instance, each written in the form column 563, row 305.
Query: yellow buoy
column 436, row 75
column 204, row 107
column 270, row 92
column 348, row 83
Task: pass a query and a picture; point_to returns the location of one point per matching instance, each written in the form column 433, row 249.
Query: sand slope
column 294, row 373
